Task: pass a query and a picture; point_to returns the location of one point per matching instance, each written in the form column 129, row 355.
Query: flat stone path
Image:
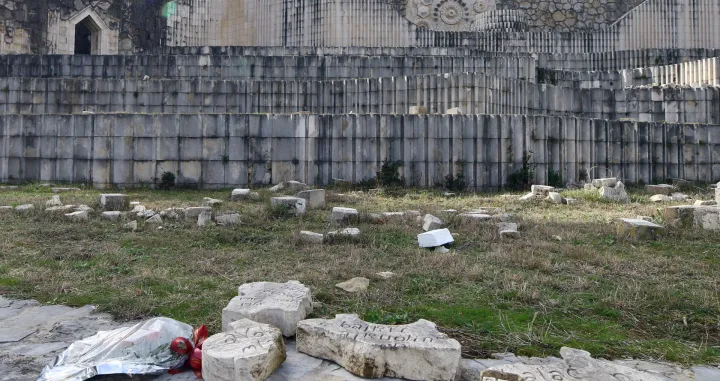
column 32, row 334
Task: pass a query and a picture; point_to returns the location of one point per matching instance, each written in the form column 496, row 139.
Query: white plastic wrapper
column 137, row 350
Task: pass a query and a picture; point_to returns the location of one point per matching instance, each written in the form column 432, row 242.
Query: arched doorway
column 87, row 37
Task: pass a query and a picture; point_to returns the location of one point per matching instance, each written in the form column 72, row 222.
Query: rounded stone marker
column 250, row 351
column 281, row 305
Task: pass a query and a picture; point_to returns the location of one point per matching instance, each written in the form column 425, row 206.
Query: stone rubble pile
column 609, row 188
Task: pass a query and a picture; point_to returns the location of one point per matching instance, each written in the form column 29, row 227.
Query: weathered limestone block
column 707, row 218
column 358, row 284
column 311, row 238
column 54, row 201
column 111, row 215
column 416, row 351
column 114, row 201
column 193, row 213
column 244, row 194
column 638, row 230
column 247, row 351
column 435, row 238
column 431, row 222
column 211, row 201
column 343, row 216
column 24, row 208
column 528, row 197
column 228, row 219
column 172, row 213
column 660, row 198
column 541, row 190
column 508, row 230
column 576, row 364
column 204, row 219
column 616, row 193
column 662, row 189
column 315, row 198
column 605, row 182
column 281, row 305
column 77, row 216
column 64, row 208
column 691, row 215
column 154, row 220
column 555, row 198
column 295, row 205
column 132, row 226
column 344, row 233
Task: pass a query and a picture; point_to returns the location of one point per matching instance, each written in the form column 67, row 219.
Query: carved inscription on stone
column 416, row 351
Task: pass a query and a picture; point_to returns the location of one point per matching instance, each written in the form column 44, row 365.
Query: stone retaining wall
column 223, row 150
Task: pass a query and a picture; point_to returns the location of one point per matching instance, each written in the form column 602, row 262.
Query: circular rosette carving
column 423, row 25
column 481, row 6
column 451, row 12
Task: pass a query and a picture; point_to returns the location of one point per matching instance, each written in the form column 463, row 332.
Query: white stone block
column 211, row 201
column 77, row 216
column 281, row 305
column 24, row 208
column 295, row 205
column 310, row 237
column 431, row 222
column 315, row 198
column 343, row 216
column 244, row 194
column 605, row 182
column 353, row 285
column 114, row 201
column 111, row 215
column 435, row 238
column 555, row 198
column 154, row 220
column 248, row 351
column 194, row 212
column 347, row 233
column 54, row 201
column 416, row 351
column 541, row 190
column 204, row 219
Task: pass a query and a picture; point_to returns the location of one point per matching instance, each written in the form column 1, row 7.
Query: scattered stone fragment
column 441, row 250
column 528, row 197
column 616, row 194
column 311, row 238
column 705, row 203
column 707, row 218
column 114, row 201
column 557, row 238
column 24, row 208
column 660, row 198
column 295, row 205
column 575, row 362
column 541, row 190
column 193, row 213
column 132, row 225
column 508, row 230
column 281, row 305
column 358, row 284
column 610, row 182
column 289, row 187
column 138, row 208
column 211, row 201
column 315, row 198
column 78, row 216
column 227, row 219
column 63, row 190
column 111, row 215
column 435, row 238
column 385, row 274
column 662, row 189
column 569, row 201
column 343, row 216
column 555, row 197
column 244, row 194
column 431, row 222
column 54, row 201
column 155, row 220
column 63, row 209
column 345, row 233
column 172, row 213
column 204, row 218
column 638, row 230
column 416, row 351
column 247, row 351
column 146, row 214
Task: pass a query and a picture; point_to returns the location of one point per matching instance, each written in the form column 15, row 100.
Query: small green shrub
column 167, row 181
column 524, row 177
column 455, row 183
column 389, row 175
column 555, row 179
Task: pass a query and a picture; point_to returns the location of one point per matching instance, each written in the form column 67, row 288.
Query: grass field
column 532, row 295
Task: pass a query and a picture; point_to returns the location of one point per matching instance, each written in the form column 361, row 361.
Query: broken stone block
column 281, row 305
column 435, row 238
column 610, row 182
column 616, row 194
column 358, row 284
column 204, row 219
column 343, row 216
column 345, row 233
column 228, row 219
column 63, row 209
column 385, row 274
column 310, row 237
column 660, row 198
column 111, row 215
column 114, row 201
column 576, row 363
column 541, row 190
column 132, row 226
column 662, row 189
column 508, row 230
column 295, row 205
column 24, row 208
column 244, row 194
column 248, row 351
column 289, row 187
column 555, row 198
column 77, row 216
column 54, row 201
column 211, row 201
column 707, row 218
column 394, row 216
column 417, row 110
column 315, row 198
column 154, row 220
column 685, row 215
column 638, row 230
column 137, row 208
column 194, row 212
column 416, row 351
column 431, row 222
column 528, row 197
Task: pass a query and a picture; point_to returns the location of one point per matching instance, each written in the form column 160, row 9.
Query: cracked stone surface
column 32, row 334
